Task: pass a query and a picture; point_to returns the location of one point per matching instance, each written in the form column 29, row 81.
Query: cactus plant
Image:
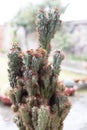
column 38, row 98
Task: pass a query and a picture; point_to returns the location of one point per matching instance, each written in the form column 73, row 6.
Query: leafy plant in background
column 38, row 98
column 62, row 40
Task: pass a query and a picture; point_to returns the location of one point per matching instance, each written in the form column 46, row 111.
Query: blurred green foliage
column 76, row 57
column 62, row 40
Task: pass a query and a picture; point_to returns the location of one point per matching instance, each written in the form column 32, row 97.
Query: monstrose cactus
column 38, row 98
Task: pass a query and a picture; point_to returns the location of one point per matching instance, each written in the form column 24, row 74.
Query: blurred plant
column 14, row 36
column 38, row 98
column 25, row 18
column 62, row 40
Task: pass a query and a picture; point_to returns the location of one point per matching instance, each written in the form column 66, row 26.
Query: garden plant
column 38, row 97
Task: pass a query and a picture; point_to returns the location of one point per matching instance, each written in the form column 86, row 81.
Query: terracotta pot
column 5, row 99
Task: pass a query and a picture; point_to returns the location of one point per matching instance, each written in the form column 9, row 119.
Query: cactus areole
column 38, row 98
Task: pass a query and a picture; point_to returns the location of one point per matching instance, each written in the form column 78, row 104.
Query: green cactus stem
column 15, row 64
column 47, row 25
column 57, row 59
column 43, row 117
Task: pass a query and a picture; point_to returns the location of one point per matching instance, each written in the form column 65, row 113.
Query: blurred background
column 17, row 24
